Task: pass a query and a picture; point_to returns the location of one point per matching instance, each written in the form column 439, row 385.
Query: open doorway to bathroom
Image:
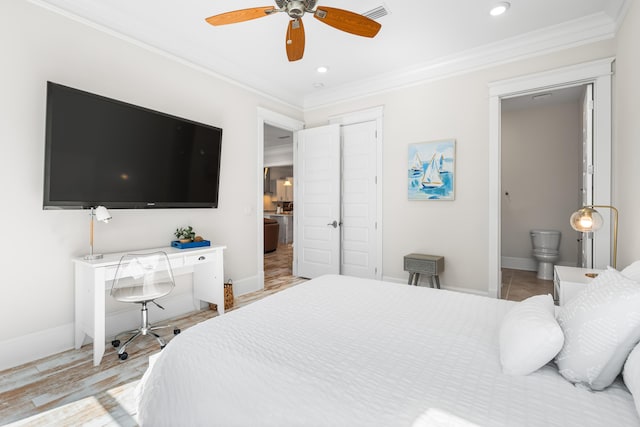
column 544, row 139
column 598, row 73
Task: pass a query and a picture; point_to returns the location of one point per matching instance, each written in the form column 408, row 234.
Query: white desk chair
column 142, row 278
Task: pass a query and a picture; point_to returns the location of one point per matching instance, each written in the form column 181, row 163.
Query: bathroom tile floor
column 518, row 285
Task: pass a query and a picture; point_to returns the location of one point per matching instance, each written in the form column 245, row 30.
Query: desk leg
column 80, row 304
column 410, row 282
column 98, row 317
column 436, row 279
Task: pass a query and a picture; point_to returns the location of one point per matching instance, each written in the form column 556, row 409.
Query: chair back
column 142, row 277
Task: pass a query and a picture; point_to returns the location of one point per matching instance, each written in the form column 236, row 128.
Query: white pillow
column 632, row 271
column 631, row 375
column 601, row 326
column 530, row 337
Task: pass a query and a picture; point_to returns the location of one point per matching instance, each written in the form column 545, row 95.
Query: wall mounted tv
column 99, row 151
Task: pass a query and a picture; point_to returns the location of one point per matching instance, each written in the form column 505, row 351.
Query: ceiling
column 276, row 138
column 419, row 40
column 545, row 98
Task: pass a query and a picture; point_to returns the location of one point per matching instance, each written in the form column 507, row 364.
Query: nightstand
column 569, row 281
column 431, row 265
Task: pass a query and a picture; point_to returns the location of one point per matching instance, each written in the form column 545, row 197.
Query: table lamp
column 588, row 219
column 101, row 214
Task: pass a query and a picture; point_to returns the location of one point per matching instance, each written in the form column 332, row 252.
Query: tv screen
column 99, row 151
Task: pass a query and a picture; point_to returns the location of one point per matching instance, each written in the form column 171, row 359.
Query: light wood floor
column 67, row 390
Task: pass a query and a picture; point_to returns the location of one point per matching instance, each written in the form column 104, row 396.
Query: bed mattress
column 342, row 351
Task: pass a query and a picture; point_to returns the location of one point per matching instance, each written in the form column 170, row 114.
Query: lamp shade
column 586, row 219
column 102, row 214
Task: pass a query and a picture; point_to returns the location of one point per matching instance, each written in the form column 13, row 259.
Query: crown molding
column 578, row 32
column 281, row 97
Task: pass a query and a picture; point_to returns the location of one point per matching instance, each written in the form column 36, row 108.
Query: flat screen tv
column 99, row 151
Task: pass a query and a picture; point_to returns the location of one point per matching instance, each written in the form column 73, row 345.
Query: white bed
column 341, row 351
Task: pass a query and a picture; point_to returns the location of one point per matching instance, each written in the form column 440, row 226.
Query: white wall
column 626, row 150
column 37, row 277
column 457, row 107
column 541, row 170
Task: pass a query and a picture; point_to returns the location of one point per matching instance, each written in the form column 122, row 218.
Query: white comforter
column 341, row 351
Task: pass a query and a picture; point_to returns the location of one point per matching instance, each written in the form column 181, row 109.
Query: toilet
column 546, row 250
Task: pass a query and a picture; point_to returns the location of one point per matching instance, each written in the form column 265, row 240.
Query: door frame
column 371, row 114
column 281, row 121
column 599, row 73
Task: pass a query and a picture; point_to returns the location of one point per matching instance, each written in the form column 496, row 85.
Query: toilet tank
column 545, row 239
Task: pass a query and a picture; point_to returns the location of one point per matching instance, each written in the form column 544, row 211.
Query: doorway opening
column 278, row 206
column 546, row 145
column 597, row 73
column 276, row 149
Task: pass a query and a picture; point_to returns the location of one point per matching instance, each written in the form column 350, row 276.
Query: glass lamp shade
column 585, row 220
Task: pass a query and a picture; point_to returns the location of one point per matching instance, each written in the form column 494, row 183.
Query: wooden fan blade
column 295, row 40
column 240, row 15
column 347, row 21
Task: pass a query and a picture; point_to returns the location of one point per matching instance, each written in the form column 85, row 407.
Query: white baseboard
column 34, row 346
column 527, row 264
column 246, row 286
column 27, row 348
column 443, row 286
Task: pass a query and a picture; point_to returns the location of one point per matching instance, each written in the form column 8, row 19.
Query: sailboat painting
column 431, row 170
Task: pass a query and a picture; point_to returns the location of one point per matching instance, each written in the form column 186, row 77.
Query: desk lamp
column 588, row 219
column 101, row 214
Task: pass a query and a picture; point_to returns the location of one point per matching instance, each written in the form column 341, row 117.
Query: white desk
column 91, row 277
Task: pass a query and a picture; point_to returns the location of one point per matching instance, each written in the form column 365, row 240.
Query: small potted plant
column 185, row 235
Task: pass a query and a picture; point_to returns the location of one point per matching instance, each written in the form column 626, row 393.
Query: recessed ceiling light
column 322, row 69
column 499, row 8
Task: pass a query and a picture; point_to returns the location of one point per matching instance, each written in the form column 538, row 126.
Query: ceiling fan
column 341, row 19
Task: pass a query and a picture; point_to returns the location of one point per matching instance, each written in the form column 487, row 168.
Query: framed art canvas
column 431, row 170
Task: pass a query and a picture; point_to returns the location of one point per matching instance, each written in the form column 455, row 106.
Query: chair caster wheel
column 123, row 356
column 115, row 343
column 176, row 331
column 162, row 346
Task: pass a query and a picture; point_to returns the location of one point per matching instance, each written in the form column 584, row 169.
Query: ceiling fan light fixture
column 499, row 8
column 341, row 19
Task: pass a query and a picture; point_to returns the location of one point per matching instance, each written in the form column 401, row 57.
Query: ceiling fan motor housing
column 296, row 8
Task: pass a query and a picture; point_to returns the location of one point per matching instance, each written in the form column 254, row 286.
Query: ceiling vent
column 378, row 12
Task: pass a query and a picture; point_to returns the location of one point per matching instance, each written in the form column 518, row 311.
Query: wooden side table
column 417, row 264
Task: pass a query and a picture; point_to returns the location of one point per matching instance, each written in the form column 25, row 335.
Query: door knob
column 334, row 224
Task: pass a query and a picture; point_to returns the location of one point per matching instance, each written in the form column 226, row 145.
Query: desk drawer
column 199, row 258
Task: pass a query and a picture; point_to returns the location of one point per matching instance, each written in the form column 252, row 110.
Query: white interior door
column 359, row 245
column 317, row 215
column 587, row 170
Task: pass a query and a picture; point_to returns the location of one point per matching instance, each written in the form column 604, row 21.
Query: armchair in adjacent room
column 271, row 232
